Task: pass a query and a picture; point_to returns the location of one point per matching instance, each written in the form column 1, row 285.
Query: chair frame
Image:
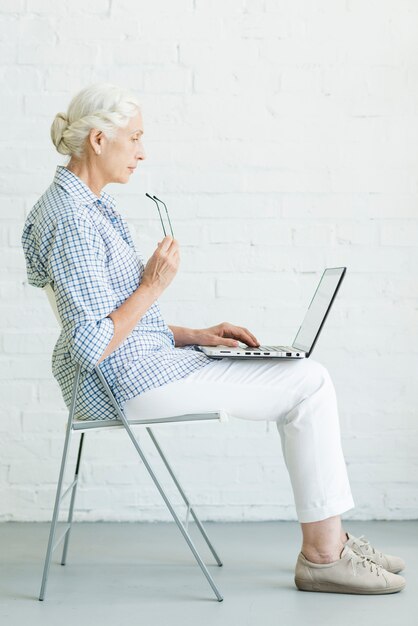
column 83, row 426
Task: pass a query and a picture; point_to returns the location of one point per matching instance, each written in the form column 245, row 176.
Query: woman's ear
column 95, row 139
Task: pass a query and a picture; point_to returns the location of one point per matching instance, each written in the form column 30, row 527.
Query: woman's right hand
column 162, row 266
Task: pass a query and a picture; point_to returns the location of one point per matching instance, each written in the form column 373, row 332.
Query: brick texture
column 283, row 136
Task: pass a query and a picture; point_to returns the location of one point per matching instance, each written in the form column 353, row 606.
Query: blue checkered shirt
column 82, row 246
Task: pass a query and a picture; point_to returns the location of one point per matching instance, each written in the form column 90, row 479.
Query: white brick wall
column 283, row 135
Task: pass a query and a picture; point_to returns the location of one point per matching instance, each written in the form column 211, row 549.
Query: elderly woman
column 107, row 298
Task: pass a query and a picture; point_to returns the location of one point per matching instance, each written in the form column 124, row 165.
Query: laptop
column 308, row 333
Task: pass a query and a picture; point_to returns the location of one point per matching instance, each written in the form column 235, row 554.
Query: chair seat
column 86, row 424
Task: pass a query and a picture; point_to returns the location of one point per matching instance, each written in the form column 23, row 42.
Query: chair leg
column 73, row 494
column 54, row 522
column 55, row 516
column 172, row 511
column 158, row 485
column 185, row 498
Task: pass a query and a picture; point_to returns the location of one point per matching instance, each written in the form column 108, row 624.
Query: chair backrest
column 52, row 301
column 49, row 290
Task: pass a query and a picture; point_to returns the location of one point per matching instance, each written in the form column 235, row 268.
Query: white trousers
column 298, row 395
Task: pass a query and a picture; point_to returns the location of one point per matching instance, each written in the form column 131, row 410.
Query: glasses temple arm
column 168, row 217
column 159, row 212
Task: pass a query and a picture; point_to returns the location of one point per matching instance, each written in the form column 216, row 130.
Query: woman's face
column 119, row 156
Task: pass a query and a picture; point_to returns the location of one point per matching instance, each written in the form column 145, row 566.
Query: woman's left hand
column 225, row 334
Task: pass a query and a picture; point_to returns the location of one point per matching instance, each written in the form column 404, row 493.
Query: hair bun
column 63, row 117
column 58, row 128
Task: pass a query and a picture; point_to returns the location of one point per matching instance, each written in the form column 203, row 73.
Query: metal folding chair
column 83, row 426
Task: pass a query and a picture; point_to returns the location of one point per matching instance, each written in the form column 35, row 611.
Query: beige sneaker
column 352, row 573
column 361, row 546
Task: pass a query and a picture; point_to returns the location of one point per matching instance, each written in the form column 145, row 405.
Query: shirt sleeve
column 77, row 266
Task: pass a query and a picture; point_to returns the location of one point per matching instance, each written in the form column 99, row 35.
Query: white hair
column 103, row 106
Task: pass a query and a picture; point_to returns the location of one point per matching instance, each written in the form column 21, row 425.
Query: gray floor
column 120, row 572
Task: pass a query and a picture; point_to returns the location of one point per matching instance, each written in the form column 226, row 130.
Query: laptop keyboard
column 275, row 348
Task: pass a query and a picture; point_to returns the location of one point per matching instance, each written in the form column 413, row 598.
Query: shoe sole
column 308, row 585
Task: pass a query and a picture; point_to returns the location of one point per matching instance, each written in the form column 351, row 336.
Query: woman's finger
column 243, row 335
column 218, row 340
column 231, row 343
column 252, row 337
column 166, row 243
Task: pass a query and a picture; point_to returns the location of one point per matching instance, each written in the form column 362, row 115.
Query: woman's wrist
column 184, row 336
column 149, row 290
column 192, row 336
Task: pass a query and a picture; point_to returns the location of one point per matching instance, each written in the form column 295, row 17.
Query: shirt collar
column 79, row 190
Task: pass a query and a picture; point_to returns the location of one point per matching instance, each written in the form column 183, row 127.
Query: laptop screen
column 318, row 309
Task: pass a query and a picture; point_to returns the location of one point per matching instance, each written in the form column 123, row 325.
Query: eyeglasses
column 157, row 200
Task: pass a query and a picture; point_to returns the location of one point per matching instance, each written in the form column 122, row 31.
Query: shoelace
column 356, row 559
column 362, row 542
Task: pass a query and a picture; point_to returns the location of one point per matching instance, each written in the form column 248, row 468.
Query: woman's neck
column 88, row 174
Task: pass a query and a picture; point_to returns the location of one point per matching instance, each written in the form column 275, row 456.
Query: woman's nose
column 141, row 154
